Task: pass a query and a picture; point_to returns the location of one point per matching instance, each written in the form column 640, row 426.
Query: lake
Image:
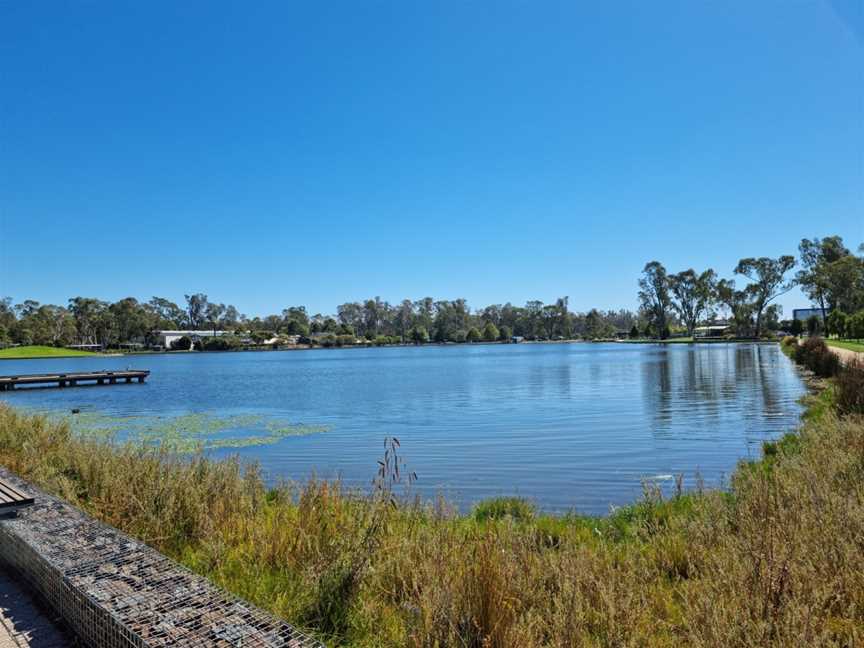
column 570, row 426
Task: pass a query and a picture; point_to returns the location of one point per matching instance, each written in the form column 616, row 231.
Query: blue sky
column 271, row 154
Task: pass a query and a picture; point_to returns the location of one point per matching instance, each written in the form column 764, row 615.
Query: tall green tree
column 692, row 295
column 768, row 277
column 654, row 296
column 738, row 302
column 196, row 310
column 816, row 256
column 490, row 332
column 167, row 314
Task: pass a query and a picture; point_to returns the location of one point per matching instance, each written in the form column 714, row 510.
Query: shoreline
column 281, row 547
column 299, row 347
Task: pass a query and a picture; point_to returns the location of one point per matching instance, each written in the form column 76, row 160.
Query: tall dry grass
column 775, row 561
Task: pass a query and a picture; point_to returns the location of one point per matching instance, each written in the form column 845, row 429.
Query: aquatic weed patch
column 186, row 433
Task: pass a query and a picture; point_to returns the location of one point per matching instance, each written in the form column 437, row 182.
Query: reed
column 772, row 561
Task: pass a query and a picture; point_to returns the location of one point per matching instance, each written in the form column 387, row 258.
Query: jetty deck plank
column 72, row 379
column 11, row 498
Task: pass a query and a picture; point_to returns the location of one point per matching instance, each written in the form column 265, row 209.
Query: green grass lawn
column 846, row 344
column 34, row 351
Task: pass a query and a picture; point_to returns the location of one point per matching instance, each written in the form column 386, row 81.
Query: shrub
column 490, row 332
column 849, row 392
column 419, row 335
column 221, row 343
column 473, row 335
column 458, row 336
column 816, row 356
column 182, row 344
column 855, row 326
column 836, row 323
column 789, row 341
column 516, row 508
column 505, row 333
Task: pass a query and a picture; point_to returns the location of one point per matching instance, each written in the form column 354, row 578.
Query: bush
column 419, row 335
column 458, row 336
column 182, row 344
column 836, row 323
column 849, row 392
column 515, row 508
column 855, row 326
column 473, row 335
column 817, row 357
column 505, row 333
column 490, row 332
column 789, row 341
column 221, row 343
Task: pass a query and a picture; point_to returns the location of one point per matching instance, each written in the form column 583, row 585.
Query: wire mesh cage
column 113, row 591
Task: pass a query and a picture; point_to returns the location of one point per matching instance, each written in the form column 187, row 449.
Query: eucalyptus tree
column 130, row 320
column 86, row 311
column 295, row 321
column 654, row 296
column 404, row 318
column 213, row 315
column 351, row 314
column 692, row 295
column 845, row 284
column 739, row 304
column 167, row 314
column 768, row 282
column 816, row 257
column 196, row 309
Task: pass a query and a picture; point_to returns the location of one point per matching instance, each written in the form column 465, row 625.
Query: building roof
column 208, row 333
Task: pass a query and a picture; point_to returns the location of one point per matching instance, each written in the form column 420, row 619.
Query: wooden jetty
column 12, row 499
column 73, row 379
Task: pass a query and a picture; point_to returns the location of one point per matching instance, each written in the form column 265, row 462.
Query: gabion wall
column 114, row 592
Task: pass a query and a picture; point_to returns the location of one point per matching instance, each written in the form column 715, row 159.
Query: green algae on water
column 188, row 432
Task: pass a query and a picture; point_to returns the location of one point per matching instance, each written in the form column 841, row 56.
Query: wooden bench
column 12, row 499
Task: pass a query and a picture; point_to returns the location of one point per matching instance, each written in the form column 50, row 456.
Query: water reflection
column 691, row 388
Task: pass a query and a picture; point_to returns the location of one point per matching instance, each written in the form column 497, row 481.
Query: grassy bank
column 846, row 344
column 34, row 351
column 774, row 561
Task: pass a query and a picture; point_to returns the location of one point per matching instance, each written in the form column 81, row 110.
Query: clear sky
column 281, row 153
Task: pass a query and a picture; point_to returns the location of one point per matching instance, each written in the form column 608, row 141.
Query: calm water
column 568, row 425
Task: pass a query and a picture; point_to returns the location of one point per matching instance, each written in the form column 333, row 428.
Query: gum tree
column 768, row 282
column 654, row 295
column 692, row 295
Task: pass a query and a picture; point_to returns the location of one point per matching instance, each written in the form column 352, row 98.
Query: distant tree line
column 829, row 274
column 90, row 321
